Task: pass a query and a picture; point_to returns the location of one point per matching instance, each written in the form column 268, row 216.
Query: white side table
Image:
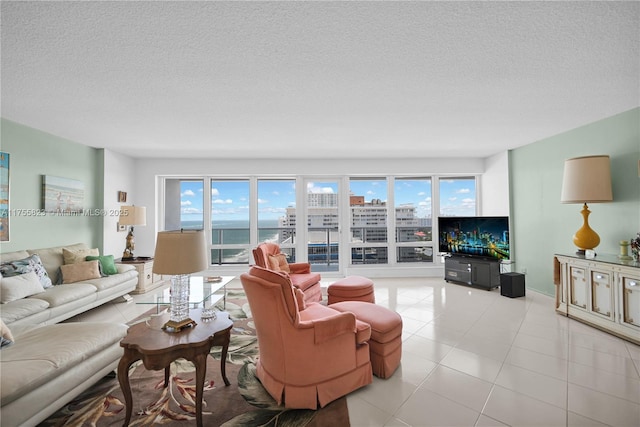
column 146, row 279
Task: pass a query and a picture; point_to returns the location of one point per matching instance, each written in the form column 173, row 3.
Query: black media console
column 480, row 272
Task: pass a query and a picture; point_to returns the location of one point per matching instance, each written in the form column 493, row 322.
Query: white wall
column 119, row 175
column 494, row 186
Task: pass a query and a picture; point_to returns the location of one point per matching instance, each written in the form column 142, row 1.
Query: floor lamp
column 586, row 180
column 179, row 253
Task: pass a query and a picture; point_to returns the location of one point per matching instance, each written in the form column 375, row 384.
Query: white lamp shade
column 587, row 180
column 180, row 252
column 133, row 215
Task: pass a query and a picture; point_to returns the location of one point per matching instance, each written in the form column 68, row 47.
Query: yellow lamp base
column 585, row 238
column 173, row 326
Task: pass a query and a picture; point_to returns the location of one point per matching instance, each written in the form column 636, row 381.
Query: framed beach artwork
column 62, row 195
column 4, row 196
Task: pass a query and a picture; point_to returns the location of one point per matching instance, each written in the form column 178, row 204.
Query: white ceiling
column 317, row 79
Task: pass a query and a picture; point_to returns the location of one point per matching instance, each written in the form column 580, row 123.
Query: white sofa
column 50, row 363
column 61, row 302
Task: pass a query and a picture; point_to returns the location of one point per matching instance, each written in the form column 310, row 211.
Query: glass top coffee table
column 204, row 292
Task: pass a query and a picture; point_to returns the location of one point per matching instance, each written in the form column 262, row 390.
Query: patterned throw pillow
column 27, row 265
column 107, row 263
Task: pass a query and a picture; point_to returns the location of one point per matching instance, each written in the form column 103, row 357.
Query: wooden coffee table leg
column 200, row 363
column 223, row 357
column 123, row 379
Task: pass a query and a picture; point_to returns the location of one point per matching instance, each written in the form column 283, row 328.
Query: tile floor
column 472, row 357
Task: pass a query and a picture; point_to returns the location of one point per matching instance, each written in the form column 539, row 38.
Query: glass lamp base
column 179, row 304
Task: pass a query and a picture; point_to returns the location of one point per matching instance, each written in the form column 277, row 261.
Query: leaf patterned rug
column 244, row 403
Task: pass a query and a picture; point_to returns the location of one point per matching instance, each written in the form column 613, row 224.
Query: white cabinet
column 603, row 292
column 146, row 279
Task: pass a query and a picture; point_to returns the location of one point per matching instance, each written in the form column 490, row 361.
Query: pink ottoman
column 351, row 288
column 385, row 345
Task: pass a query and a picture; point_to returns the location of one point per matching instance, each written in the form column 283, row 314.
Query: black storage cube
column 512, row 285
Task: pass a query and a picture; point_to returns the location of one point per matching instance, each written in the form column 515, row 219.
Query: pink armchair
column 310, row 354
column 300, row 272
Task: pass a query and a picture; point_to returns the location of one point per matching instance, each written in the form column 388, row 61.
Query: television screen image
column 480, row 236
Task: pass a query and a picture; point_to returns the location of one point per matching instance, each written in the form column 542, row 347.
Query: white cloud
column 188, row 193
column 191, row 211
column 311, row 188
column 222, row 202
column 262, row 201
column 185, row 203
column 215, row 192
column 463, row 191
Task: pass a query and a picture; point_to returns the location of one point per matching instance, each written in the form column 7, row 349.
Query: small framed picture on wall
column 122, row 196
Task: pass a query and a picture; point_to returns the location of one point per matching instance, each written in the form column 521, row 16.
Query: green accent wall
column 542, row 226
column 34, row 154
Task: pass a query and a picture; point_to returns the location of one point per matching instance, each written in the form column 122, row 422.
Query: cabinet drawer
column 602, row 293
column 631, row 301
column 578, row 287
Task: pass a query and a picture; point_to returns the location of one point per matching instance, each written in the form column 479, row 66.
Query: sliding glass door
column 322, row 211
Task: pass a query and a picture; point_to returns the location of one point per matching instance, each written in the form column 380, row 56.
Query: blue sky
column 230, row 198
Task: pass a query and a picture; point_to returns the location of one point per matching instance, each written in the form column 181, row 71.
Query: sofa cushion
column 46, row 352
column 18, row 287
column 23, row 308
column 12, row 256
column 279, row 262
column 73, row 256
column 63, row 294
column 26, row 265
column 107, row 263
column 6, row 338
column 108, row 282
column 52, row 258
column 85, row 270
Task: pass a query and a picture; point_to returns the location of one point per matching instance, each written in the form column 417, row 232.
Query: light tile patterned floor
column 472, row 357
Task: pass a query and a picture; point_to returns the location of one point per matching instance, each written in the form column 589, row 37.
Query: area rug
column 244, row 403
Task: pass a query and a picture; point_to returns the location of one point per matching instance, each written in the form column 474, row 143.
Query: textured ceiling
column 316, row 79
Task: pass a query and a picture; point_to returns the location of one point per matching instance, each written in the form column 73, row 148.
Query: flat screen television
column 477, row 236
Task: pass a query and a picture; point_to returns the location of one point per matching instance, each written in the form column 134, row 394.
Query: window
column 368, row 209
column 390, row 219
column 412, row 198
column 458, row 196
column 230, row 237
column 184, row 204
column 277, row 214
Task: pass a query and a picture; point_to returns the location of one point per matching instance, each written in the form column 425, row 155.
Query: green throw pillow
column 107, row 263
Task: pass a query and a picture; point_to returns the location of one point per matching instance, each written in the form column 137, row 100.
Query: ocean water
column 234, row 233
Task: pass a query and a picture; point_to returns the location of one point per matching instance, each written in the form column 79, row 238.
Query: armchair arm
column 326, row 328
column 300, row 267
column 363, row 331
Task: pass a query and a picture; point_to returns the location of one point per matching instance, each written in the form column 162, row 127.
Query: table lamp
column 179, row 253
column 586, row 180
column 131, row 215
